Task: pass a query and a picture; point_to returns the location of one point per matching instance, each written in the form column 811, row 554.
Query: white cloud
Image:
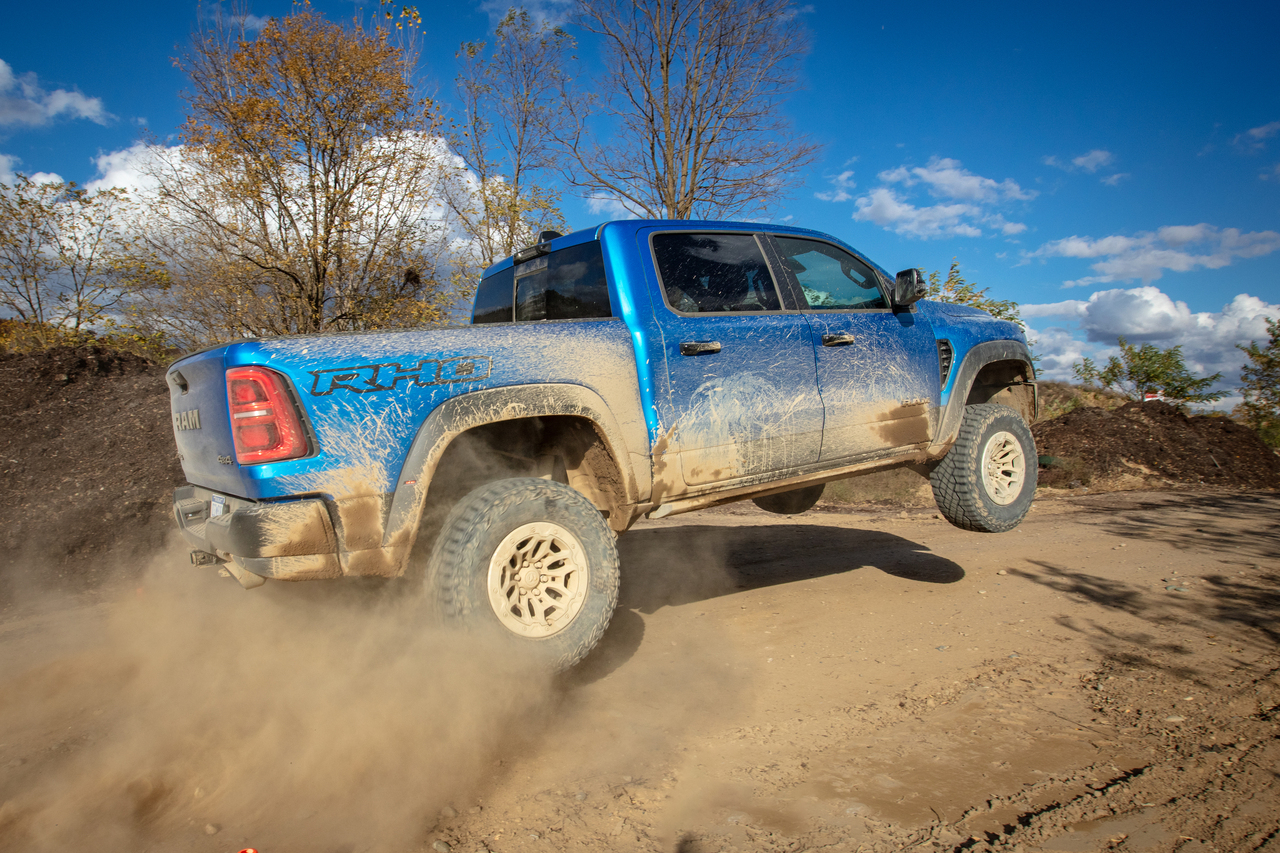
column 1006, row 228
column 251, row 23
column 1273, row 174
column 885, row 208
column 543, row 12
column 1265, row 132
column 1254, row 137
column 128, row 169
column 1057, row 350
column 947, row 178
column 24, row 102
column 614, row 208
column 1091, row 163
column 9, row 171
column 1094, row 160
column 843, row 184
column 1148, row 315
column 1086, row 281
column 1146, row 255
column 964, row 206
column 1068, row 308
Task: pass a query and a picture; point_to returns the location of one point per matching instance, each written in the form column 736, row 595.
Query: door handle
column 840, row 340
column 699, row 347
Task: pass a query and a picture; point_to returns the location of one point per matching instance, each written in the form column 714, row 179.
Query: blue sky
column 1113, row 167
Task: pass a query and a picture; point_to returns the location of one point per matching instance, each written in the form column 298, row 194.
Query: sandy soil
column 1106, row 677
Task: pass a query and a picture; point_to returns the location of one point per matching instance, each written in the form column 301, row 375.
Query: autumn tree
column 305, row 195
column 693, row 93
column 508, row 93
column 1148, row 369
column 1260, row 381
column 69, row 257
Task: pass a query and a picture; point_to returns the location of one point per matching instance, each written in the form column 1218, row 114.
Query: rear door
column 877, row 369
column 742, row 390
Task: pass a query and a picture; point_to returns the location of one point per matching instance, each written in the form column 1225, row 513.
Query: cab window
column 568, row 284
column 829, row 277
column 494, row 299
column 714, row 273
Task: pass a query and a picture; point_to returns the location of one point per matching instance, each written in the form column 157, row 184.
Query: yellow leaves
column 310, row 192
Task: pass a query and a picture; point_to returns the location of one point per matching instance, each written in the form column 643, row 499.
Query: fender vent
column 945, row 356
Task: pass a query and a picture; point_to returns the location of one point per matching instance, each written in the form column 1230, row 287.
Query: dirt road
column 1104, row 678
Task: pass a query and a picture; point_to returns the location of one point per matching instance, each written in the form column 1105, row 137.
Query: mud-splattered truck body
column 640, row 368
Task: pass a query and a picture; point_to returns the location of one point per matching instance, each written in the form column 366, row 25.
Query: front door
column 877, row 368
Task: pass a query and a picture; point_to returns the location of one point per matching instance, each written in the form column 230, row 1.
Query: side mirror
column 908, row 288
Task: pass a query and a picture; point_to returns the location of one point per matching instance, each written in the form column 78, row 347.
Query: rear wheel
column 531, row 563
column 987, row 481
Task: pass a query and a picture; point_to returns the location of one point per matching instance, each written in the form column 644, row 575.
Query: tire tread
column 449, row 579
column 956, row 487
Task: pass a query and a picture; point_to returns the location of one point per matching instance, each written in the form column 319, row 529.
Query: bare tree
column 69, row 258
column 306, row 194
column 28, row 261
column 695, row 91
column 509, row 96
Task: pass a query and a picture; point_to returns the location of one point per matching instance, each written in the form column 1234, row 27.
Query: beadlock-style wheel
column 1004, row 467
column 538, row 579
column 530, row 564
column 987, row 481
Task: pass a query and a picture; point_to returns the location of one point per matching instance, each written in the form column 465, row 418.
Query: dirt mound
column 1058, row 398
column 87, row 463
column 1153, row 442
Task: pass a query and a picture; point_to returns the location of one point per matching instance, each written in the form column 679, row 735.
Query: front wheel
column 531, row 563
column 987, row 480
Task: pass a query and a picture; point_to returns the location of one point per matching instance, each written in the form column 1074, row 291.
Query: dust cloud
column 292, row 717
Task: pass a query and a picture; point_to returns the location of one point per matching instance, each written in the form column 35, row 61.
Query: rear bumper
column 285, row 540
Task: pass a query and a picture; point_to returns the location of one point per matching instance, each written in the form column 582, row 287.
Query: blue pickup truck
column 637, row 369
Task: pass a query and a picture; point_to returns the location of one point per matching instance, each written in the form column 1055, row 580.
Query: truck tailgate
column 201, row 427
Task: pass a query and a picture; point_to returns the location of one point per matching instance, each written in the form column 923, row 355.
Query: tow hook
column 204, row 558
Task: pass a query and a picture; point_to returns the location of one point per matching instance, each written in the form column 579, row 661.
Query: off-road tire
column 793, row 502
column 504, row 514
column 976, row 485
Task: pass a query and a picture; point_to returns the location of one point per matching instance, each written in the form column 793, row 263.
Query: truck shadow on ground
column 681, row 565
column 667, row 567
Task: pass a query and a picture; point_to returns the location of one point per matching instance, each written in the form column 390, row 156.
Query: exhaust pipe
column 247, row 579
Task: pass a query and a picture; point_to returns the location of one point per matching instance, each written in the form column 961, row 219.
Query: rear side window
column 494, row 299
column 568, row 284
column 714, row 273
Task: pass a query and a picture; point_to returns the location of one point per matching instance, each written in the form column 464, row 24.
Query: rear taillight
column 264, row 423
